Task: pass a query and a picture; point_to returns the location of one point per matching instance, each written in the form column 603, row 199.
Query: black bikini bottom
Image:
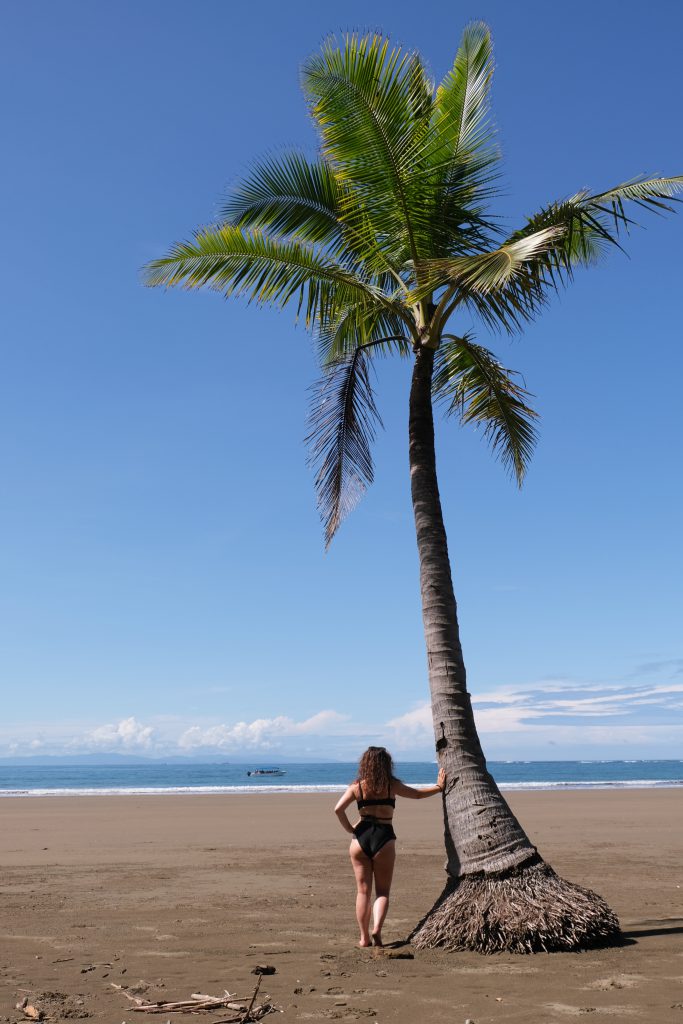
column 372, row 834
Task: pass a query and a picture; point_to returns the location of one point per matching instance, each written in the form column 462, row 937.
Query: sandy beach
column 179, row 894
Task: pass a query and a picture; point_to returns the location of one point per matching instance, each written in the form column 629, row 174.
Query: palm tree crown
column 387, row 235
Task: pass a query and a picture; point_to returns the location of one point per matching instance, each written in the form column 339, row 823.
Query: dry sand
column 187, row 893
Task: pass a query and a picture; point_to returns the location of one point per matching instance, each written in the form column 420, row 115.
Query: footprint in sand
column 617, row 981
column 579, row 1011
column 501, row 968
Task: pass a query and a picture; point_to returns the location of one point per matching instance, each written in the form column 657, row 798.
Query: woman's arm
column 340, row 810
column 400, row 788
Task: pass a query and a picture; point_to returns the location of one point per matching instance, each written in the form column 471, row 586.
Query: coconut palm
column 385, row 244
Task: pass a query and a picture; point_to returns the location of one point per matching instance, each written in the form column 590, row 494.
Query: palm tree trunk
column 492, row 866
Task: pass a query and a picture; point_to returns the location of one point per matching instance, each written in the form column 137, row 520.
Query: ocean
column 159, row 778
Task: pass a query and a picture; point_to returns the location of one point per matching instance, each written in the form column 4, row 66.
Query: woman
column 373, row 847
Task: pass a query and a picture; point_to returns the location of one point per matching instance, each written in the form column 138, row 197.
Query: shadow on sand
column 661, row 926
column 634, row 931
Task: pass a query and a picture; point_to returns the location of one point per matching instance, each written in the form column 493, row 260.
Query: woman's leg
column 383, row 870
column 362, row 869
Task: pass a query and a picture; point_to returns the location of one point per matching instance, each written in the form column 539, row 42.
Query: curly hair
column 376, row 770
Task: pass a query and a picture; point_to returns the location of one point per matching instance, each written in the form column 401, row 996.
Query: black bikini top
column 388, row 801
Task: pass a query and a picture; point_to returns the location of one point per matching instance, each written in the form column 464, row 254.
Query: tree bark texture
column 499, row 893
column 482, row 834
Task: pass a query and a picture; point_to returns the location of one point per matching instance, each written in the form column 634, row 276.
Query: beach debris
column 64, row 960
column 90, row 967
column 246, row 1009
column 36, row 1011
column 263, row 969
column 50, row 1006
column 265, row 947
column 139, row 989
column 29, row 1010
column 271, row 952
column 86, row 968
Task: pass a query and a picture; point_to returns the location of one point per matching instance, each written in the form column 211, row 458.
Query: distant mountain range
column 45, row 760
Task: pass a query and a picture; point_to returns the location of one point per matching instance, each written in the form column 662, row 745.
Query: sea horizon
column 156, row 778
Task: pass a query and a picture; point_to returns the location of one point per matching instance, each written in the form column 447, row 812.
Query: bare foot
column 377, row 939
column 364, row 944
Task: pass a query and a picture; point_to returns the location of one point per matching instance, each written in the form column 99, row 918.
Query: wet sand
column 182, row 894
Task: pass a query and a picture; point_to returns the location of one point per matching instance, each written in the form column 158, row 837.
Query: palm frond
column 462, row 130
column 488, row 272
column 462, row 151
column 509, row 309
column 478, row 389
column 358, row 324
column 593, row 222
column 291, row 196
column 586, row 225
column 287, row 194
column 343, row 421
column 268, row 270
column 370, row 104
column 648, row 192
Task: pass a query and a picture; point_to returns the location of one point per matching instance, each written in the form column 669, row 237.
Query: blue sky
column 163, row 584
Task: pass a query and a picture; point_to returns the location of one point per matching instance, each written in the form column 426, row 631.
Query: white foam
column 257, row 790
column 601, row 784
column 173, row 790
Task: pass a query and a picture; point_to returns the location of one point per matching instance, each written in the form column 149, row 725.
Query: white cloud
column 560, row 711
column 556, row 717
column 128, row 734
column 414, row 725
column 261, row 733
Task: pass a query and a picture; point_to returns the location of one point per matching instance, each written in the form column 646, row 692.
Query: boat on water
column 267, row 771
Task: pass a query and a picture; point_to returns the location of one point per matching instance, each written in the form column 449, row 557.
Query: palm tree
column 380, row 243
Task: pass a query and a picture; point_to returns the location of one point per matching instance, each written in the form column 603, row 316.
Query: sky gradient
column 163, row 581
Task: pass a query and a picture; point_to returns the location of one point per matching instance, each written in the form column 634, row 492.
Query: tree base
column 528, row 910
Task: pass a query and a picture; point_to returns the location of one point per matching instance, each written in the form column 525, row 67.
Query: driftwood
column 245, row 1009
column 253, row 998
